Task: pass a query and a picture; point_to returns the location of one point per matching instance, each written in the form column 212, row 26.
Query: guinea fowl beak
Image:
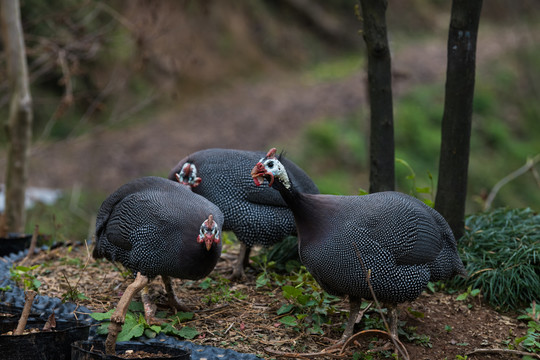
column 208, row 236
column 208, row 239
column 259, row 173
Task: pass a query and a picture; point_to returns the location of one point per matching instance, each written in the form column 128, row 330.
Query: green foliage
column 416, row 191
column 531, row 341
column 221, row 290
column 23, row 275
column 469, row 293
column 135, row 324
column 501, row 252
column 307, row 307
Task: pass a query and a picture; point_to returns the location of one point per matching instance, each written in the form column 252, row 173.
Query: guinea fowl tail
column 96, row 253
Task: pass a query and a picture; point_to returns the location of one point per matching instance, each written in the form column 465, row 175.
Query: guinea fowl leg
column 149, row 308
column 355, row 306
column 171, row 296
column 393, row 319
column 242, row 261
column 119, row 315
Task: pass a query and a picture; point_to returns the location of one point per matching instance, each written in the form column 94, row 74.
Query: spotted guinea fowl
column 257, row 216
column 153, row 226
column 395, row 238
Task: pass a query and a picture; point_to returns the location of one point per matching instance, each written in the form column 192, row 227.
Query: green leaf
column 188, row 332
column 423, row 190
column 285, row 308
column 415, row 313
column 262, row 280
column 102, row 316
column 129, row 332
column 206, row 283
column 36, row 284
column 462, row 297
column 288, row 320
column 156, row 328
column 103, row 329
column 303, row 299
column 475, row 292
column 183, row 316
column 291, row 292
column 447, row 328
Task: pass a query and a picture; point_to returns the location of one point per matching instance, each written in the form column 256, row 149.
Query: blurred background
column 124, row 89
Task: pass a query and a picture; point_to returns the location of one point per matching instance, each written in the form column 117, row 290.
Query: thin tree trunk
column 381, row 177
column 19, row 123
column 457, row 117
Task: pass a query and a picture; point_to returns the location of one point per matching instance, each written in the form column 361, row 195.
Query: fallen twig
column 503, row 351
column 325, row 352
column 376, row 332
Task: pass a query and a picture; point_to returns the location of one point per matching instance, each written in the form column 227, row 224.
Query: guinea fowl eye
column 270, row 164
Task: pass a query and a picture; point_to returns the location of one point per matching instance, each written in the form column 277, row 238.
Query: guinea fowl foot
column 119, row 315
column 173, row 301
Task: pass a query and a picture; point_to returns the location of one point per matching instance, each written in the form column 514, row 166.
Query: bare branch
column 529, row 165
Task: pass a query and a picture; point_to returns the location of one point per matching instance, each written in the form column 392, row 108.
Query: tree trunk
column 382, row 162
column 19, row 123
column 457, row 117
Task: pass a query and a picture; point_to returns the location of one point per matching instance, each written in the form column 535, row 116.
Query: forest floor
column 244, row 317
column 256, row 116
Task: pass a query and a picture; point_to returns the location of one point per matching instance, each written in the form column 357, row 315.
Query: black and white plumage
column 401, row 241
column 257, row 216
column 153, row 226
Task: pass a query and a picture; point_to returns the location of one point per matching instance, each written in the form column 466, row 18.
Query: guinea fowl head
column 271, row 169
column 209, row 233
column 188, row 175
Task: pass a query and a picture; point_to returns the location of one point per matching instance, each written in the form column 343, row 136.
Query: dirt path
column 244, row 116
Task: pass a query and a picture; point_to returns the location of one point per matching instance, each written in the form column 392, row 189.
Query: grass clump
column 501, row 251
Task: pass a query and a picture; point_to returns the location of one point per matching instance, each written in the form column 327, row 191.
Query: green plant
column 72, row 294
column 308, row 306
column 469, row 293
column 135, row 324
column 221, row 290
column 23, row 275
column 501, row 251
column 416, row 190
column 531, row 341
column 409, row 333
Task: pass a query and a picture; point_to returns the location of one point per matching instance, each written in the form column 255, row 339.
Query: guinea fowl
column 153, row 226
column 390, row 241
column 255, row 215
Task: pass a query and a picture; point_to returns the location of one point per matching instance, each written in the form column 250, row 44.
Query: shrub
column 501, row 251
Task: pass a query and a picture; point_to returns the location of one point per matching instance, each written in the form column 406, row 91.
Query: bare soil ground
column 250, row 323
